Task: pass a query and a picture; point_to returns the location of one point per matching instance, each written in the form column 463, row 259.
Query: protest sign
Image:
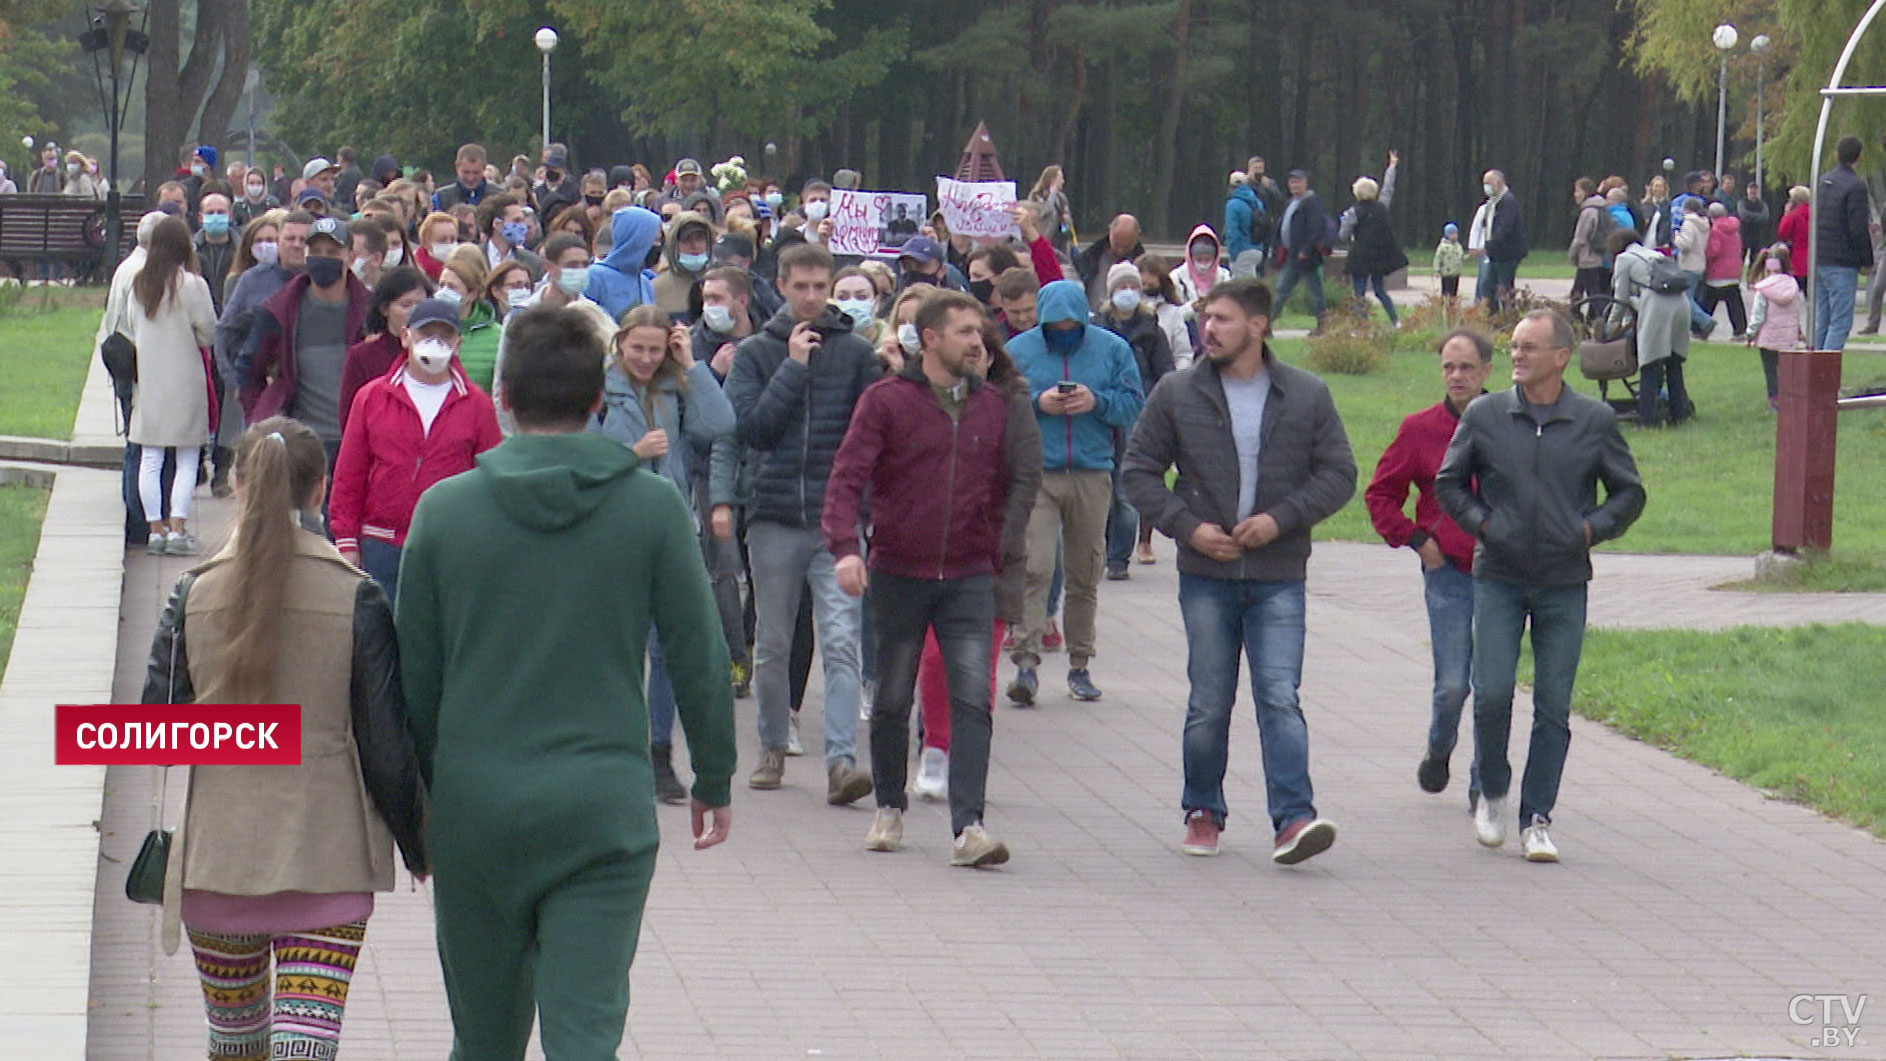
column 874, row 222
column 977, row 208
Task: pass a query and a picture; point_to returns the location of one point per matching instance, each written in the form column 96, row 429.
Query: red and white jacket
column 388, row 459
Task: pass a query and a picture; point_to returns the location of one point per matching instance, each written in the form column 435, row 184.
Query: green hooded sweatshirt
column 526, row 592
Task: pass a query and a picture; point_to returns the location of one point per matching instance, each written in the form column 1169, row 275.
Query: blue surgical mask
column 693, row 263
column 216, row 224
column 719, row 318
column 858, row 309
column 1062, row 340
column 515, row 232
column 573, row 280
column 773, row 199
column 1126, row 300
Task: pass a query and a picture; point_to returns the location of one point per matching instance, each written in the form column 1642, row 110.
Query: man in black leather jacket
column 1522, row 475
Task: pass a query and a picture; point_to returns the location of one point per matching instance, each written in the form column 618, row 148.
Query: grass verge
column 45, row 351
column 22, row 508
column 1794, row 712
column 1856, row 571
column 1711, row 482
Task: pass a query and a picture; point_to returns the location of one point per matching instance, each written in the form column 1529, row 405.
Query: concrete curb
column 64, row 651
column 53, row 451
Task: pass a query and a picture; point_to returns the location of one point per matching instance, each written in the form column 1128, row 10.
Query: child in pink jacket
column 1776, row 323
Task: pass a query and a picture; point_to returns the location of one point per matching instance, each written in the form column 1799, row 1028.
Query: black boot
column 668, row 788
column 219, row 483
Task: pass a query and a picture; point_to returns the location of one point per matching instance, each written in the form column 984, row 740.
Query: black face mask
column 911, row 276
column 982, row 289
column 593, row 200
column 324, row 271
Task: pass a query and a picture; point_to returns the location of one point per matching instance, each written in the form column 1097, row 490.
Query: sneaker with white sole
column 1489, row 821
column 181, row 543
column 1302, row 839
column 793, row 747
column 1201, row 834
column 975, row 848
column 887, row 831
column 932, row 782
column 1538, row 845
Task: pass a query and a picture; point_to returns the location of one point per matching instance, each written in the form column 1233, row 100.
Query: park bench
column 61, row 228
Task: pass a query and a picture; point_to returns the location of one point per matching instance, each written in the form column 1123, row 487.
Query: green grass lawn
column 45, row 351
column 1795, row 712
column 1711, row 482
column 21, row 510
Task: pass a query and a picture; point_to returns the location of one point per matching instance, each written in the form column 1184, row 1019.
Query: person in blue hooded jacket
column 623, row 280
column 1243, row 211
column 1085, row 384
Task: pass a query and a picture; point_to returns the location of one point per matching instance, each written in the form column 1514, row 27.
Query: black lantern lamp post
column 112, row 36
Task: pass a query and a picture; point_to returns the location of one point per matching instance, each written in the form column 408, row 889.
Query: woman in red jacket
column 1793, row 232
column 418, row 424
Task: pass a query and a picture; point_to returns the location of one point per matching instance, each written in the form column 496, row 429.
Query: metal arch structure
column 1833, row 91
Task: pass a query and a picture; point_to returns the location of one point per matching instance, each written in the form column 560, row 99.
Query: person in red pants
column 933, row 694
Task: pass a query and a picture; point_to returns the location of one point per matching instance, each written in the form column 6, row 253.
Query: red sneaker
column 1201, row 834
column 1010, row 640
column 1051, row 641
column 1303, row 839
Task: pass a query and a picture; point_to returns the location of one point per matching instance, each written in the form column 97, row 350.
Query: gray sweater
column 1306, row 471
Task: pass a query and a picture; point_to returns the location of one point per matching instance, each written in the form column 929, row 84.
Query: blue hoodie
column 1102, row 362
column 1240, row 208
column 621, row 282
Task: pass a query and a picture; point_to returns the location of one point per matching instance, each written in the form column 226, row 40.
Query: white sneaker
column 887, row 830
column 793, row 747
column 1489, row 821
column 933, row 775
column 976, row 848
column 1537, row 844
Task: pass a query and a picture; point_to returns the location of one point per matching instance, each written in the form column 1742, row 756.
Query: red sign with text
column 177, row 735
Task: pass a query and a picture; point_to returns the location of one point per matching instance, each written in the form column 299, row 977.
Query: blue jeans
column 380, row 560
column 1296, row 270
column 1379, row 281
column 661, row 694
column 783, row 563
column 1500, row 614
column 1496, row 279
column 1833, row 305
column 1265, row 621
column 1449, row 592
column 1700, row 321
column 1122, row 517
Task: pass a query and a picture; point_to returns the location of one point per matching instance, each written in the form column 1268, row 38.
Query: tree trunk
column 1165, row 154
column 163, row 124
column 220, row 109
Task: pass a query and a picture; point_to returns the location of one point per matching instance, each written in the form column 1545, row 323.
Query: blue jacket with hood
column 1101, row 361
column 1240, row 208
column 621, row 282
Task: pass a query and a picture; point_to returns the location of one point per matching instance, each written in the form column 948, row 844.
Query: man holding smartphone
column 793, row 386
column 1085, row 383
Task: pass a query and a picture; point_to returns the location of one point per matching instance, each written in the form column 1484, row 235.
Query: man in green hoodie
column 527, row 593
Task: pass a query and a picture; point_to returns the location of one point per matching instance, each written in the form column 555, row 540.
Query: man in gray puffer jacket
column 793, row 386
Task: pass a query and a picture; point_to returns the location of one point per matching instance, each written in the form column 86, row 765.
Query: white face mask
column 71, row 167
column 719, row 318
column 442, row 251
column 256, row 190
column 858, row 309
column 909, row 338
column 432, row 355
column 1488, row 189
column 394, row 256
column 360, row 269
column 265, row 250
column 1126, row 300
column 449, row 295
column 573, row 281
column 815, row 210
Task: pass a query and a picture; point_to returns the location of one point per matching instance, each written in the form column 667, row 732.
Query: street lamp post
column 546, row 43
column 1724, row 39
column 111, row 33
column 1760, row 46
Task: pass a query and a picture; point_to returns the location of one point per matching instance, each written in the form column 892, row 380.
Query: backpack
column 1666, row 277
column 1601, row 232
column 1260, row 222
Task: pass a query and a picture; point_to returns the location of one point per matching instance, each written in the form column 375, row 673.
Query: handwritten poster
column 977, row 208
column 875, row 222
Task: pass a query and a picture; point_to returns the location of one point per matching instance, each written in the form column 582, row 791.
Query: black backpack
column 121, row 362
column 1666, row 277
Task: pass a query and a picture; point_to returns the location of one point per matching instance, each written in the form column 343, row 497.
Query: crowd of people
column 484, row 428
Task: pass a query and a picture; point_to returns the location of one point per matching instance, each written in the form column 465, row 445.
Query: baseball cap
column 207, row 154
column 332, row 228
column 434, row 311
column 688, row 165
column 1299, row 174
column 559, row 162
column 310, row 194
column 317, row 166
column 922, row 248
column 733, row 245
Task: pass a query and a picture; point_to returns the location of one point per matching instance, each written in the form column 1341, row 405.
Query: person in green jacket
column 526, row 598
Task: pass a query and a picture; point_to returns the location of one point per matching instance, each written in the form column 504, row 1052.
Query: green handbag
column 145, row 882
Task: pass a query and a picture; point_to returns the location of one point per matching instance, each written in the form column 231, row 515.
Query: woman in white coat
column 170, row 319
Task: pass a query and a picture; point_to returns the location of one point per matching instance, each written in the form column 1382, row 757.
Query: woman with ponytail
column 285, row 858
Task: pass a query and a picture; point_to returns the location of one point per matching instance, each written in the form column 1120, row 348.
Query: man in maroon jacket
column 948, row 461
column 1446, row 550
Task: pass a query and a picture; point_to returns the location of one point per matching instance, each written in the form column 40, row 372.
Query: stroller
column 1607, row 349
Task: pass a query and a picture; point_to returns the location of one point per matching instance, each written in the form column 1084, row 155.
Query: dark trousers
column 962, row 611
column 1738, row 313
column 1652, row 379
column 1771, row 372
column 1502, row 612
column 1589, row 282
column 1450, row 286
column 380, row 560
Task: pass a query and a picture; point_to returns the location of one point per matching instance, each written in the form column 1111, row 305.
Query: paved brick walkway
column 1688, row 911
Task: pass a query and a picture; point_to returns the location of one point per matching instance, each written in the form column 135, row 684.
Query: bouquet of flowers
column 730, row 175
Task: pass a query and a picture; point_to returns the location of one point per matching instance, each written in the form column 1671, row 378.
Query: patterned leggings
column 303, row 1020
